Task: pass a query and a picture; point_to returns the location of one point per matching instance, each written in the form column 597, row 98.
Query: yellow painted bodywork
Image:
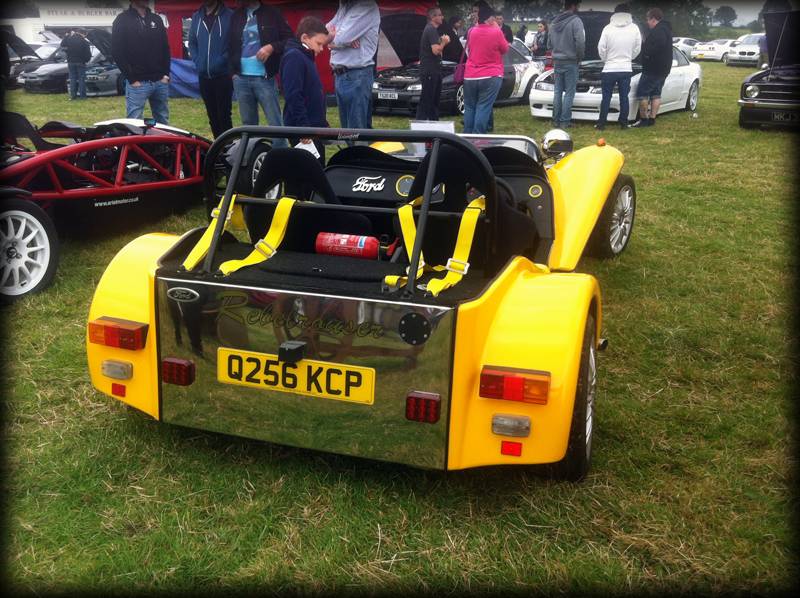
column 127, row 290
column 388, row 147
column 581, row 182
column 530, row 319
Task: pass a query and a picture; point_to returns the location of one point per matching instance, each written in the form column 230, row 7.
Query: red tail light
column 423, row 407
column 116, row 332
column 510, row 384
column 177, row 371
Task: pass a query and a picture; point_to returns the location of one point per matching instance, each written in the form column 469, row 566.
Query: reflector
column 177, row 371
column 423, row 406
column 118, row 390
column 513, row 449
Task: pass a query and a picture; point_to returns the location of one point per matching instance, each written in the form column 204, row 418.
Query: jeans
column 155, row 91
column 428, row 107
column 216, row 93
column 479, row 97
column 623, row 83
column 254, row 91
column 354, row 97
column 77, row 80
column 566, row 80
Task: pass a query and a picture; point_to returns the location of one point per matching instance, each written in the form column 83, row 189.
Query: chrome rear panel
column 408, row 345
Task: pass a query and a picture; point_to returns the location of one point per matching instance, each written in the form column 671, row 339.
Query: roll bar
column 437, row 138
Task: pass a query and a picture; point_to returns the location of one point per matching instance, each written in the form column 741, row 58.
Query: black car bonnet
column 101, row 40
column 404, row 32
column 593, row 23
column 783, row 37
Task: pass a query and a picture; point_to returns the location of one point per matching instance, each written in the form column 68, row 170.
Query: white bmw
column 681, row 90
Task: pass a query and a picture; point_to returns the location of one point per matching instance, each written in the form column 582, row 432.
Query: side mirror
column 556, row 143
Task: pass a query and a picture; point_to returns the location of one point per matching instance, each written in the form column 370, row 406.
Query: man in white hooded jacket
column 619, row 44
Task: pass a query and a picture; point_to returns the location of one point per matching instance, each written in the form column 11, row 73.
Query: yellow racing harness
column 456, row 266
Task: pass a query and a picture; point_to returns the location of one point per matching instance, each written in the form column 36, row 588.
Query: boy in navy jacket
column 209, row 40
column 304, row 96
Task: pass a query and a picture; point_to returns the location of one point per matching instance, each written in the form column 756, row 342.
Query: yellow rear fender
column 530, row 320
column 127, row 291
column 581, row 183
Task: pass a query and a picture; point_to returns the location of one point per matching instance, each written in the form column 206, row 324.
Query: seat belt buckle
column 457, row 266
column 215, row 214
column 265, row 249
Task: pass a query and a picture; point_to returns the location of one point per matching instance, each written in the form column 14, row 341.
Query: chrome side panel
column 196, row 319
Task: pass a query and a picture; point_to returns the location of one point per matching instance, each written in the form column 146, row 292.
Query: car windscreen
column 751, row 40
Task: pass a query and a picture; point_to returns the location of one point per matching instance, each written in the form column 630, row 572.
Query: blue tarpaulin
column 183, row 79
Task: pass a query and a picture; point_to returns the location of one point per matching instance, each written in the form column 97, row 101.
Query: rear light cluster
column 116, row 332
column 177, row 371
column 510, row 384
column 423, row 407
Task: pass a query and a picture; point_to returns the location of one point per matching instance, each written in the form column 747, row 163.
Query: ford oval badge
column 183, row 294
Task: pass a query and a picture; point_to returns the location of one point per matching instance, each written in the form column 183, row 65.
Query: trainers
column 600, row 126
column 623, row 125
column 642, row 122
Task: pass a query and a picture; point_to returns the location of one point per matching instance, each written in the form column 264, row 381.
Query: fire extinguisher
column 360, row 246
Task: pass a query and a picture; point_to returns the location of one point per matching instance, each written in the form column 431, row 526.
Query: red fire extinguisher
column 359, row 246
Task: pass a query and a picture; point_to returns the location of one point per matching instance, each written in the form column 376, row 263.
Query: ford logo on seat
column 183, row 294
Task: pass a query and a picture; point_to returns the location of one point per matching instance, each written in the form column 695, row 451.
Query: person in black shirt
column 430, row 66
column 656, row 57
column 499, row 18
column 78, row 54
column 140, row 49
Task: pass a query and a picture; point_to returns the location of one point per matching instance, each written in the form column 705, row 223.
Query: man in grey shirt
column 567, row 41
column 354, row 44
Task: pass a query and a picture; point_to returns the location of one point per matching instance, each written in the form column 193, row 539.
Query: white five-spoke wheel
column 613, row 230
column 460, row 99
column 29, row 249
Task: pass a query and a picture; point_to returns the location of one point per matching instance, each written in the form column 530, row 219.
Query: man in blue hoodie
column 209, row 36
column 567, row 42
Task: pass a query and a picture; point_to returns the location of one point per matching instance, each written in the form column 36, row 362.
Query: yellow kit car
column 418, row 307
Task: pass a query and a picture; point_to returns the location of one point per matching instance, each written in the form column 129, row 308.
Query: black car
column 33, row 58
column 398, row 89
column 771, row 97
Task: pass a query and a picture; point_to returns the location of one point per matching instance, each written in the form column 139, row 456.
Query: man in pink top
column 483, row 75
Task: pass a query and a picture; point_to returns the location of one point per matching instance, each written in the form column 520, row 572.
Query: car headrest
column 299, row 170
column 458, row 170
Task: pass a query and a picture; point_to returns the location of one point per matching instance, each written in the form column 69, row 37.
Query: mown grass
column 690, row 489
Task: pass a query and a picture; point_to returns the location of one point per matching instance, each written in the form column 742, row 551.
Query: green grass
column 693, row 461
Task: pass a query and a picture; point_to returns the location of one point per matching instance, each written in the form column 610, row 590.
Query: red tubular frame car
column 110, row 164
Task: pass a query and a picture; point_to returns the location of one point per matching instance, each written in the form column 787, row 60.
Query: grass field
column 693, row 468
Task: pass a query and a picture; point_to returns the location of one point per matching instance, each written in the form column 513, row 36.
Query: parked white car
column 685, row 44
column 713, row 50
column 745, row 50
column 681, row 90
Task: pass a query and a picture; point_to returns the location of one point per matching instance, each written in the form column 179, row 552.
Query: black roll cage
column 436, row 138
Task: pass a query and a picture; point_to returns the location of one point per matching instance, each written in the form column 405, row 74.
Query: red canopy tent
column 178, row 10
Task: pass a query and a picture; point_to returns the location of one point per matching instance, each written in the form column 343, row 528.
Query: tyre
column 29, row 245
column 525, row 99
column 725, row 58
column 744, row 124
column 613, row 230
column 694, row 96
column 577, row 462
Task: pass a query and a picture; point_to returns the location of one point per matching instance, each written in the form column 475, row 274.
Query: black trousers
column 216, row 93
column 428, row 107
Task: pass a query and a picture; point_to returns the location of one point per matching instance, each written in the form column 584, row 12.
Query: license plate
column 387, row 95
column 307, row 377
column 783, row 117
